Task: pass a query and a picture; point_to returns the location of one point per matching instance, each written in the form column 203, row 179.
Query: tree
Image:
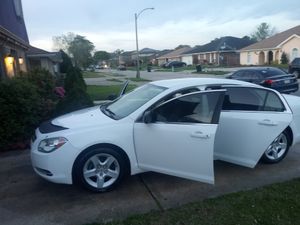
column 75, row 46
column 81, row 50
column 181, row 46
column 284, row 58
column 66, row 63
column 63, row 42
column 76, row 96
column 263, row 31
column 101, row 56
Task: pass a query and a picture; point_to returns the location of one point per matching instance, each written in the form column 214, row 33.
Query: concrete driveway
column 25, row 198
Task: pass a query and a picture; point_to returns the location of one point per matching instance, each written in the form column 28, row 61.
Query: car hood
column 83, row 118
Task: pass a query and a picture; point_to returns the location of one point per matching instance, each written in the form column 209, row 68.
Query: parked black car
column 175, row 64
column 269, row 77
column 294, row 67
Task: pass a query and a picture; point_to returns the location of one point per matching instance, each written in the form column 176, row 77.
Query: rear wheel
column 100, row 169
column 278, row 149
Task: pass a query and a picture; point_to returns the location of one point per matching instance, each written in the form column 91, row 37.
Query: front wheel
column 99, row 170
column 278, row 149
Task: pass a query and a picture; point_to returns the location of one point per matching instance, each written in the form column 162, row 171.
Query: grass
column 180, row 69
column 97, row 92
column 88, row 74
column 138, row 79
column 276, row 204
column 213, row 72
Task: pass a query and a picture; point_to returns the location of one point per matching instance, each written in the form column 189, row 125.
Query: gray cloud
column 188, row 20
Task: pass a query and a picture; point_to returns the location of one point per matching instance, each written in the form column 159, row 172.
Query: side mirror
column 148, row 117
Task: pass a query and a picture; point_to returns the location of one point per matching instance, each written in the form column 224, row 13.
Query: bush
column 26, row 100
column 284, row 58
column 20, row 113
column 44, row 82
column 76, row 95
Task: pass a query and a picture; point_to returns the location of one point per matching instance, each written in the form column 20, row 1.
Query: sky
column 110, row 24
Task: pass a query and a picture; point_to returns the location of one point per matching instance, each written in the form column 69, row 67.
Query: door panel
column 180, row 140
column 180, row 150
column 242, row 137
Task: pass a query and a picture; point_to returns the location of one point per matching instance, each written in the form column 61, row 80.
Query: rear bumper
column 287, row 88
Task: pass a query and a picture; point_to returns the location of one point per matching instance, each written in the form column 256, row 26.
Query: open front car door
column 177, row 137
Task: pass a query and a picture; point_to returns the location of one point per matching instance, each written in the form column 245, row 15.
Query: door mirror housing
column 148, row 117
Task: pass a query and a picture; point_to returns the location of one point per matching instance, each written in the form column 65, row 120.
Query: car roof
column 188, row 82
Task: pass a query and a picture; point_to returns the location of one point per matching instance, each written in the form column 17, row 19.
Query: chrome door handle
column 267, row 122
column 199, row 134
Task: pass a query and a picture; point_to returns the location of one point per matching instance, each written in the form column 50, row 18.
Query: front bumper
column 55, row 166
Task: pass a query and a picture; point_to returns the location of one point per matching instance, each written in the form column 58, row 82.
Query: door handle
column 199, row 134
column 267, row 122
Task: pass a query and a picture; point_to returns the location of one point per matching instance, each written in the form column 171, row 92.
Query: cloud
column 110, row 24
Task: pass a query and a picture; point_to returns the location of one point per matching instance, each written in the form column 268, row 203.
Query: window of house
column 295, row 53
column 192, row 108
column 252, row 99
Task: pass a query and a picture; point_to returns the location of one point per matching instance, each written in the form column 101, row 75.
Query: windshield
column 130, row 102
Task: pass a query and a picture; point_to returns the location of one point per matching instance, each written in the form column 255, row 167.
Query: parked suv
column 294, row 67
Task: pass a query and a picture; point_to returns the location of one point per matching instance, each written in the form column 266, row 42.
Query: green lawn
column 180, row 69
column 138, row 79
column 212, row 72
column 277, row 204
column 97, row 92
column 88, row 74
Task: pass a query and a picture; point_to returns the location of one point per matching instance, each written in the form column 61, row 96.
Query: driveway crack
column 160, row 207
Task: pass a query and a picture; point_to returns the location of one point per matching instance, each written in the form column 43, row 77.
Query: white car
column 176, row 127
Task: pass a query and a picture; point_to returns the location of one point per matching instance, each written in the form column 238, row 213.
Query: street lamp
column 136, row 16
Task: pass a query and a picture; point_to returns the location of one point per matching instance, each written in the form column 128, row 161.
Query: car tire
column 278, row 149
column 100, row 169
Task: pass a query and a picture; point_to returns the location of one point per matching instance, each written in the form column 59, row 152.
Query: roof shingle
column 274, row 41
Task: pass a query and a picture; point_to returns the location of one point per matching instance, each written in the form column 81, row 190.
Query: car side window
column 191, row 108
column 252, row 99
column 273, row 103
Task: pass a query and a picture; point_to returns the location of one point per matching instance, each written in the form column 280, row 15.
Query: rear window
column 271, row 72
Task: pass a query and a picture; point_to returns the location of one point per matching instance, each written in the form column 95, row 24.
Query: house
column 13, row 39
column 146, row 55
column 41, row 59
column 221, row 51
column 174, row 55
column 270, row 50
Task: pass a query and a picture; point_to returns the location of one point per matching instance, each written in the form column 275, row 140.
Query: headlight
column 51, row 144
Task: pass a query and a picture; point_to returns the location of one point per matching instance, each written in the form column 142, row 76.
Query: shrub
column 66, row 62
column 284, row 58
column 20, row 113
column 76, row 96
column 44, row 82
column 26, row 100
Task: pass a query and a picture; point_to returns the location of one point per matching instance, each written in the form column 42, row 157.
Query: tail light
column 268, row 82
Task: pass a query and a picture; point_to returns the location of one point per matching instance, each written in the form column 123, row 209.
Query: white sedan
column 176, row 127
